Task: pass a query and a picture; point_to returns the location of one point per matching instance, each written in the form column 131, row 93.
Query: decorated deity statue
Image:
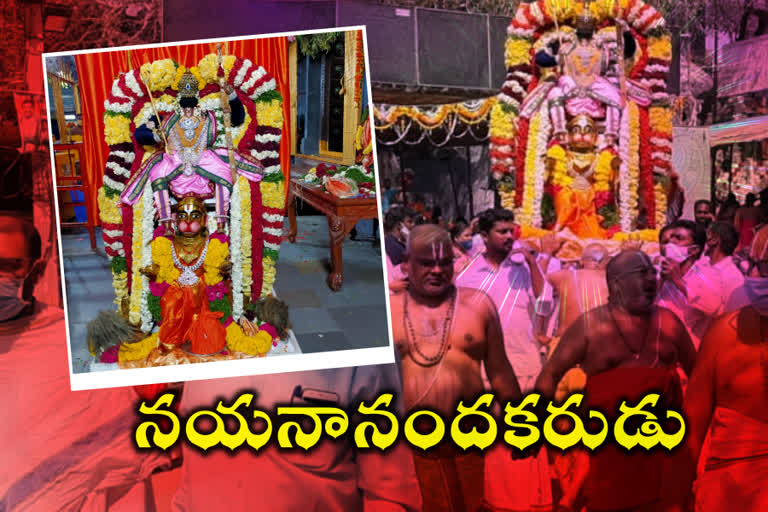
column 582, row 88
column 182, row 265
column 190, row 289
column 578, row 68
column 190, row 165
column 576, row 170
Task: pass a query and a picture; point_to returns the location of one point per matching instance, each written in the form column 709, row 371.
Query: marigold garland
column 109, row 208
column 517, row 52
column 134, row 309
column 559, row 175
column 246, row 234
column 238, row 341
column 139, row 350
column 531, row 160
column 270, row 113
column 604, row 171
column 116, row 129
column 273, row 195
column 660, row 195
column 218, row 253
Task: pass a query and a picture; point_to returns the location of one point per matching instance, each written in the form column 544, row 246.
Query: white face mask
column 676, row 253
column 757, row 291
column 405, row 232
column 11, row 303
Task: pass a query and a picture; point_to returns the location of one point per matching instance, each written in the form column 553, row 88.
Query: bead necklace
column 188, row 276
column 427, row 361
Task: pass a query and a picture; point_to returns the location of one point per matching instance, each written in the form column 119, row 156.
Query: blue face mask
column 11, row 303
column 466, row 245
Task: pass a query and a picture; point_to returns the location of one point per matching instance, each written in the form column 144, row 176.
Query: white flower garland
column 270, row 245
column 128, row 157
column 273, row 217
column 625, row 213
column 147, row 228
column 246, row 236
column 541, row 171
column 235, row 254
column 118, row 108
column 238, row 81
column 634, row 163
column 256, row 74
column 133, row 85
column 267, row 86
column 119, row 170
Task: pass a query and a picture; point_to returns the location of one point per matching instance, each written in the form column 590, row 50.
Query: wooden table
column 342, row 216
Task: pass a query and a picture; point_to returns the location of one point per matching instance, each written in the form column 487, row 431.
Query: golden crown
column 188, row 85
column 586, row 20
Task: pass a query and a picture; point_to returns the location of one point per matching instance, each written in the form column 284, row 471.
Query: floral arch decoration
column 517, row 144
column 256, row 209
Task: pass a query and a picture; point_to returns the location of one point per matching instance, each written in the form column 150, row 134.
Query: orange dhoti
column 576, row 211
column 186, row 317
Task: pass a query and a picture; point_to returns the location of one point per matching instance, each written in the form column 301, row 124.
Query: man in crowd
column 627, row 348
column 394, row 235
column 62, row 450
column 703, row 213
column 722, row 240
column 443, row 334
column 687, row 283
column 727, row 394
column 509, row 273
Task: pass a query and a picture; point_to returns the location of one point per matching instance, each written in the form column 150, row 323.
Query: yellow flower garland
column 269, row 272
column 660, row 48
column 644, row 235
column 246, row 234
column 661, row 204
column 209, row 68
column 216, row 257
column 161, row 255
column 273, row 194
column 161, row 74
column 531, row 160
column 517, row 52
column 661, row 119
column 270, row 113
column 634, row 157
column 238, row 341
column 109, row 208
column 604, row 171
column 560, row 175
column 134, row 311
column 116, row 129
column 179, row 73
column 137, row 351
column 201, row 82
column 502, row 123
column 120, row 284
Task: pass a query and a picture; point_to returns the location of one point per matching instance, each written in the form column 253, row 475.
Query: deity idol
column 575, row 169
column 583, row 88
column 184, row 304
column 190, row 165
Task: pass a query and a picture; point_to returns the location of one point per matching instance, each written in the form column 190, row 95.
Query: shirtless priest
column 443, row 334
column 628, row 348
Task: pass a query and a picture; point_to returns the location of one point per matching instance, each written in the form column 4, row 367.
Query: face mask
column 757, row 291
column 10, row 298
column 466, row 245
column 676, row 253
column 405, row 232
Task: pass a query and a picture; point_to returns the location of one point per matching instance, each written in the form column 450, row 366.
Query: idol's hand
column 150, row 271
column 225, row 269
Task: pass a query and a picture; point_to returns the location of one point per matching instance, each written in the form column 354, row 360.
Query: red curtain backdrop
column 97, row 71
